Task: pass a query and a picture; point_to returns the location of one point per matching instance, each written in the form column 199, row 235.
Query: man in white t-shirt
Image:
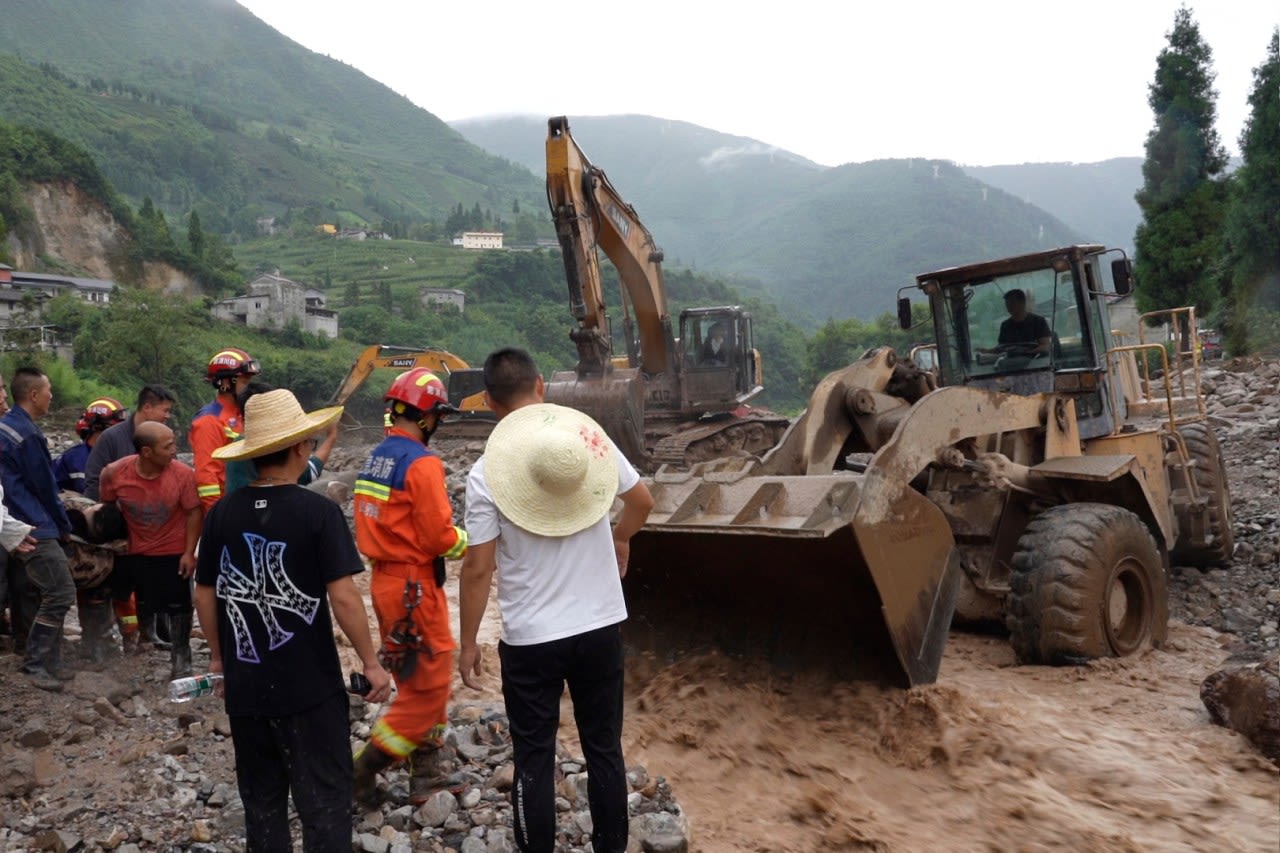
column 538, row 513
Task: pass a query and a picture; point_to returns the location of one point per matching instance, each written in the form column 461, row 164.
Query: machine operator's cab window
column 710, row 341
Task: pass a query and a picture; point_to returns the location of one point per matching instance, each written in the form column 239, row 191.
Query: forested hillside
column 1095, row 199
column 823, row 243
column 199, row 105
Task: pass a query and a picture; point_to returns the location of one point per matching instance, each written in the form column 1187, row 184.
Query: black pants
column 533, row 679
column 154, row 579
column 306, row 754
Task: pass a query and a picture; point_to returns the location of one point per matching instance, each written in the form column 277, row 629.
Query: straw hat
column 273, row 420
column 550, row 469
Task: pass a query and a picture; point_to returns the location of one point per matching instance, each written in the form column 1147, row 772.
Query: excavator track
column 731, row 435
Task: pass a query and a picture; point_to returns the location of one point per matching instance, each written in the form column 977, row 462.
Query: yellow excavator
column 464, row 383
column 669, row 399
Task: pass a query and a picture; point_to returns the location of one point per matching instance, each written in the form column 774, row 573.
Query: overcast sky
column 982, row 82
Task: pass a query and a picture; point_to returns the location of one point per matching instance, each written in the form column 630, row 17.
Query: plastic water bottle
column 186, row 689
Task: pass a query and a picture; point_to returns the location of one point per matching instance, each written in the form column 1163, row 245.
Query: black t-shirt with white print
column 269, row 553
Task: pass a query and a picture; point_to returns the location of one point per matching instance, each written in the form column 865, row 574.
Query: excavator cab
column 721, row 364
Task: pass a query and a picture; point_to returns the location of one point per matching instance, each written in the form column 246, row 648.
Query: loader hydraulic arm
column 589, row 215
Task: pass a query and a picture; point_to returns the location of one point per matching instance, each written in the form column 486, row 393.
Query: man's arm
column 38, row 472
column 205, row 437
column 473, row 596
column 98, row 457
column 348, row 610
column 194, row 520
column 207, row 611
column 636, row 505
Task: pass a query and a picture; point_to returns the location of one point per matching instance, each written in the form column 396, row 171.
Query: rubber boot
column 150, row 622
column 56, row 664
column 95, row 625
column 180, row 643
column 39, row 649
column 368, row 764
column 433, row 769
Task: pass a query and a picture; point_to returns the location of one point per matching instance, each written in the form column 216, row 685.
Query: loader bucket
column 852, row 574
column 615, row 401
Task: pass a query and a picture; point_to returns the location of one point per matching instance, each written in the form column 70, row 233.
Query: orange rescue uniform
column 403, row 523
column 216, row 425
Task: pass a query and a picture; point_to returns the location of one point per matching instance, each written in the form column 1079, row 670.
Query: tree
column 195, row 236
column 1251, row 256
column 1182, row 200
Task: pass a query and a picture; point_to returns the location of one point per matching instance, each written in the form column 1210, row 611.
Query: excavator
column 464, row 383
column 669, row 399
column 1044, row 486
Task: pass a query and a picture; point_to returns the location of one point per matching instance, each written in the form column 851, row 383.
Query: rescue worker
column 404, row 526
column 219, row 423
column 93, row 605
column 69, row 468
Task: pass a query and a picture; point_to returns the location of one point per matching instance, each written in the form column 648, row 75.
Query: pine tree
column 195, row 236
column 1251, row 259
column 1182, row 199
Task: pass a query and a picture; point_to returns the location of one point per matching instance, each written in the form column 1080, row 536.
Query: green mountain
column 823, row 242
column 200, row 104
column 1095, row 199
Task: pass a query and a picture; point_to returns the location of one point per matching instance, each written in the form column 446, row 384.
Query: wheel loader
column 1045, row 485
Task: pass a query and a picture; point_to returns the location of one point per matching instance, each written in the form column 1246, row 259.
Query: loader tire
column 1088, row 582
column 1210, row 474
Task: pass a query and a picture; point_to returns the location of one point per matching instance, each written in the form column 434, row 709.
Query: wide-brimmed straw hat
column 273, row 420
column 550, row 469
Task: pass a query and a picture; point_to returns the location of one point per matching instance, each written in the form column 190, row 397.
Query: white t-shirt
column 549, row 587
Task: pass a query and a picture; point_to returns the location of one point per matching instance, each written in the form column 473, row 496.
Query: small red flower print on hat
column 595, row 441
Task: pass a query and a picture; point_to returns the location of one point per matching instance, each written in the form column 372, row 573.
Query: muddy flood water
column 1117, row 755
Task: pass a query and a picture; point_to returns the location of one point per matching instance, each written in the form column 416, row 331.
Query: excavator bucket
column 853, row 574
column 614, row 400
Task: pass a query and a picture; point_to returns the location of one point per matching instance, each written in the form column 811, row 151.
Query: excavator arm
column 466, row 390
column 589, row 216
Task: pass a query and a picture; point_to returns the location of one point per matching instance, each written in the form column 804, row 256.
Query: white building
column 271, row 301
column 482, row 239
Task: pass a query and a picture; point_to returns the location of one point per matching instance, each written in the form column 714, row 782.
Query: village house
column 23, row 296
column 271, row 301
column 443, row 297
column 481, row 239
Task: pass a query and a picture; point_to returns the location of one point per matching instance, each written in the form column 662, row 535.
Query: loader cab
column 721, row 366
column 983, row 345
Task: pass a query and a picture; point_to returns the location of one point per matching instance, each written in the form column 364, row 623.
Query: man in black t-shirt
column 270, row 556
column 1023, row 333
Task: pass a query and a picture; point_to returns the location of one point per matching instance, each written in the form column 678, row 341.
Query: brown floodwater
column 1118, row 755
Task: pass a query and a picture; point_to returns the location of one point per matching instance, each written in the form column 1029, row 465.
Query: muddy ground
column 1116, row 755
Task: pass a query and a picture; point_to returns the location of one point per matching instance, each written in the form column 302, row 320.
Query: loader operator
column 1023, row 333
column 404, row 526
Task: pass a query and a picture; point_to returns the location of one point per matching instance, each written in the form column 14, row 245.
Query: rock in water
column 1246, row 699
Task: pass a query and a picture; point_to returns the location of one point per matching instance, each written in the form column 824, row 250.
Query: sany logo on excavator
column 403, row 362
column 619, row 220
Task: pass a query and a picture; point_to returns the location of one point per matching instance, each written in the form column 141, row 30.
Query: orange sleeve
column 205, row 437
column 432, row 515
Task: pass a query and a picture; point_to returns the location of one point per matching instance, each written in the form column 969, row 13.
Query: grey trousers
column 48, row 571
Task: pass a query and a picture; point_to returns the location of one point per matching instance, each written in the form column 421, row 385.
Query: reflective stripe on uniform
column 390, row 742
column 460, row 547
column 209, row 490
column 372, row 489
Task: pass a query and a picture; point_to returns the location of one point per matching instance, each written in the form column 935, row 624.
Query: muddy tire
column 1210, row 474
column 1088, row 582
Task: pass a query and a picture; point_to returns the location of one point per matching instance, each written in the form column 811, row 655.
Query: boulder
column 1246, row 699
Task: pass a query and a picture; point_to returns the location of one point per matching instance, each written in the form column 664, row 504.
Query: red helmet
column 98, row 415
column 229, row 363
column 420, row 389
